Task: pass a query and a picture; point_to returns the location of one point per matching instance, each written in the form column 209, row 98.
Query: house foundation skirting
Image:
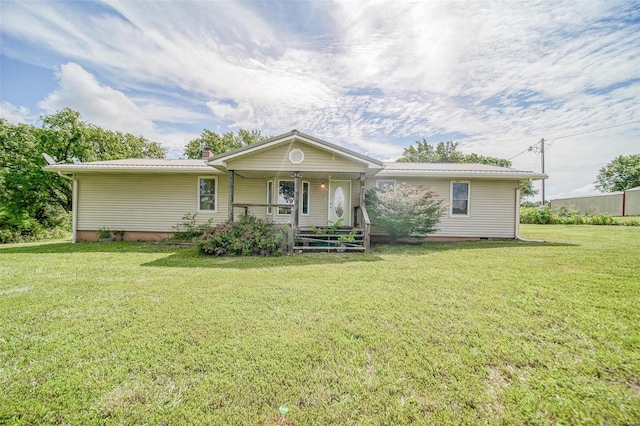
column 92, row 236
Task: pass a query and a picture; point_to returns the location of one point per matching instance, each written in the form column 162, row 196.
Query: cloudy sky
column 496, row 76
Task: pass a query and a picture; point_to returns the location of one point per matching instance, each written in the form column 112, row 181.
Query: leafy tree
column 423, row 152
column 27, row 191
column 220, row 143
column 620, row 174
column 404, row 210
column 446, row 152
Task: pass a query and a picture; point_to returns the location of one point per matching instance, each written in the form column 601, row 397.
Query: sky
column 374, row 77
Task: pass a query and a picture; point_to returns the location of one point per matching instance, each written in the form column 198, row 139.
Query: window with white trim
column 286, row 195
column 207, row 194
column 460, row 198
column 385, row 184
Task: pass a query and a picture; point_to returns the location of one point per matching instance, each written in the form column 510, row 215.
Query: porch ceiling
column 271, row 174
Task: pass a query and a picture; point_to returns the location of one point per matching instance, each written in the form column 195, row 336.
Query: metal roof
column 134, row 164
column 455, row 170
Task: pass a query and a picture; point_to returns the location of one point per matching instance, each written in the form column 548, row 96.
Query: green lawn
column 479, row 332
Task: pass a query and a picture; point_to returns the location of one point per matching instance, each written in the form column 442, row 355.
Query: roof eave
column 150, row 169
column 461, row 174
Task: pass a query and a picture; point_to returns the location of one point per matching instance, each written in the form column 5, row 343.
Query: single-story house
column 294, row 179
column 619, row 203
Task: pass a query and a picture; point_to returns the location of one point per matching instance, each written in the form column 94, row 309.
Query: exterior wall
column 492, row 207
column 143, row 202
column 148, row 206
column 595, row 204
column 91, row 236
column 277, row 158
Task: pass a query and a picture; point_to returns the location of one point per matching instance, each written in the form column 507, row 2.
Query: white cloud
column 505, row 74
column 112, row 109
column 15, row 114
column 98, row 104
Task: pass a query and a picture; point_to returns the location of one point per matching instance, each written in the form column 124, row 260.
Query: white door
column 340, row 201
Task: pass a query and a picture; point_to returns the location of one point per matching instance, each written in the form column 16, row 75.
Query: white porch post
column 232, row 175
column 74, row 210
column 296, row 198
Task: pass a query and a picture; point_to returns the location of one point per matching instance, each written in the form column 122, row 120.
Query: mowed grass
column 466, row 333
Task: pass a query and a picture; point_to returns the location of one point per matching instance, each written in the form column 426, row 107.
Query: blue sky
column 371, row 76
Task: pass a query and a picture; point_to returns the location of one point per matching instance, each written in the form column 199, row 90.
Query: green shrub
column 536, row 215
column 544, row 216
column 189, row 230
column 404, row 210
column 247, row 237
column 25, row 229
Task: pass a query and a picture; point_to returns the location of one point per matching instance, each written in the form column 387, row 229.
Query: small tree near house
column 405, row 210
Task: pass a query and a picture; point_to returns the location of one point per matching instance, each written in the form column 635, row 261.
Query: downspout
column 74, row 205
column 517, row 222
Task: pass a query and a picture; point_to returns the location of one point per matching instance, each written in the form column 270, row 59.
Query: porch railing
column 291, row 226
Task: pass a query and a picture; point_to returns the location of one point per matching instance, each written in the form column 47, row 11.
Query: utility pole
column 540, row 149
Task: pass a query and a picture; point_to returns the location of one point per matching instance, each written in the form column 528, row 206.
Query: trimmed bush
column 249, row 236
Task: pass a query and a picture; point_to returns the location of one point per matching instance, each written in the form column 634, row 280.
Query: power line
column 577, row 134
column 520, row 153
column 594, row 130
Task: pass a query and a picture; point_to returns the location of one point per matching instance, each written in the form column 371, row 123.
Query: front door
column 340, row 201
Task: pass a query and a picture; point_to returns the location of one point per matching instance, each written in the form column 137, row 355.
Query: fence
column 623, row 203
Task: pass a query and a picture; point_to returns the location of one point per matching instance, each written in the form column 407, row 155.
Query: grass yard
column 479, row 332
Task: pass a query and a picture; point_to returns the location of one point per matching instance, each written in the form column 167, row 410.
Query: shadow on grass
column 188, row 257
column 63, row 247
column 192, row 259
column 418, row 248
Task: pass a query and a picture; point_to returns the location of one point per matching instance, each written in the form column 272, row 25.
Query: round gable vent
column 296, row 156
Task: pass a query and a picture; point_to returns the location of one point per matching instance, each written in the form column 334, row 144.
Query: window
column 460, row 198
column 207, row 194
column 286, row 194
column 385, row 184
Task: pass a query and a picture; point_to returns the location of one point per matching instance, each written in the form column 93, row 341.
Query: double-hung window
column 286, row 195
column 385, row 184
column 207, row 194
column 460, row 198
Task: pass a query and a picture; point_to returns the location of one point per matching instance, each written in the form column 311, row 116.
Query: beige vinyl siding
column 277, row 158
column 143, row 202
column 492, row 207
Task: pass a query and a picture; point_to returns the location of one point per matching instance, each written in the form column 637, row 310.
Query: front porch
column 334, row 224
column 301, row 182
